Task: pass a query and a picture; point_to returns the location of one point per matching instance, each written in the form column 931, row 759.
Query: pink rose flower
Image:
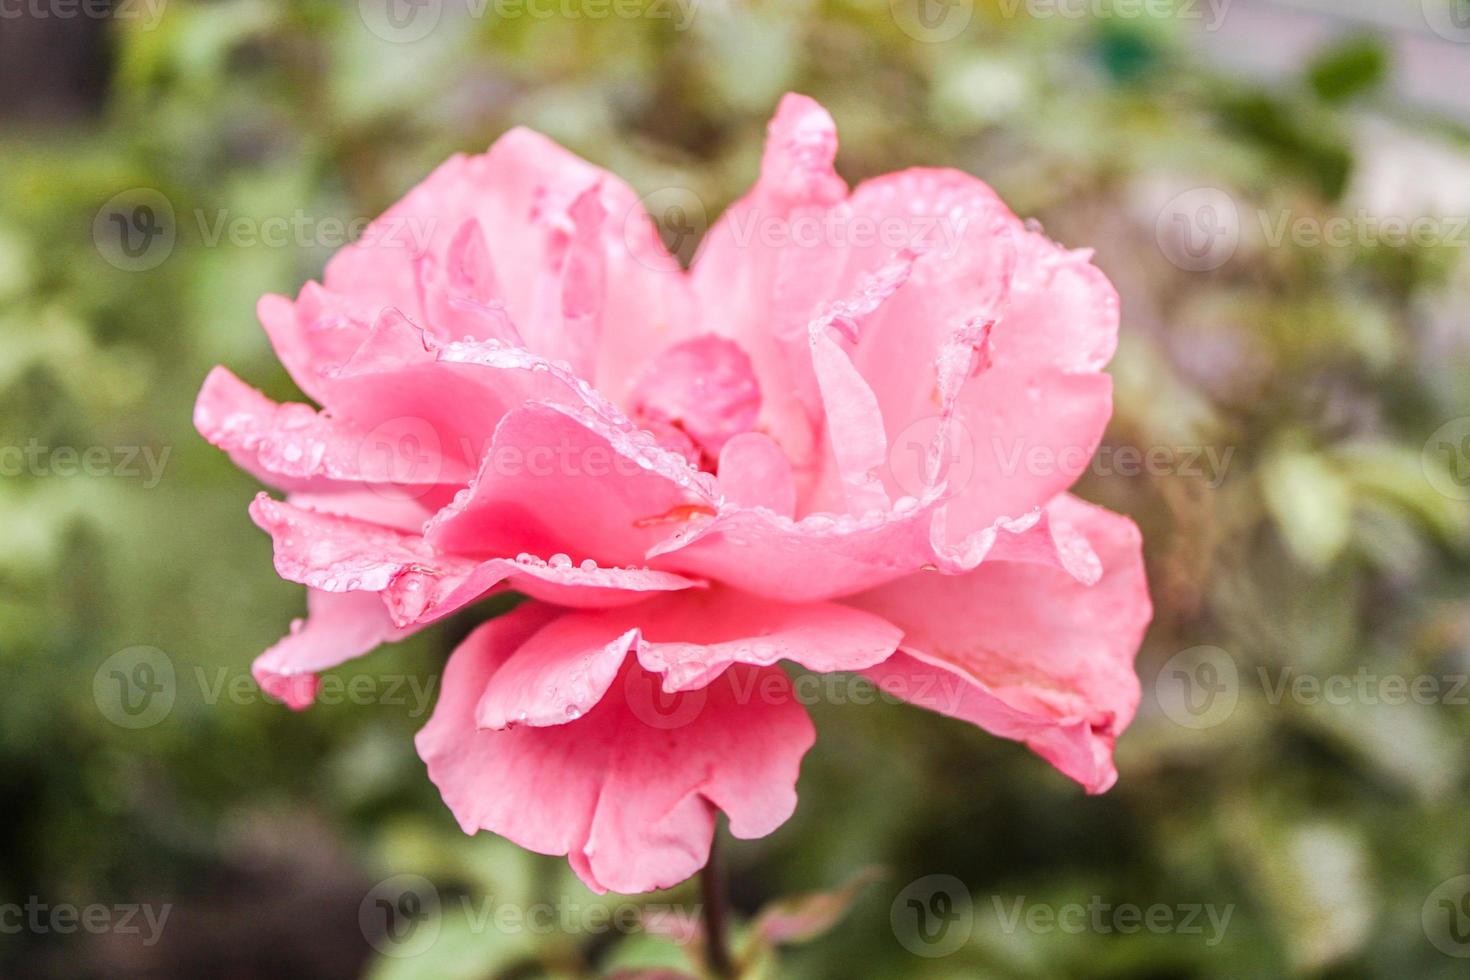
column 842, row 439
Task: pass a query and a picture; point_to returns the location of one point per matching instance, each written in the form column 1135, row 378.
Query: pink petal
column 758, row 279
column 854, row 429
column 418, row 584
column 338, row 627
column 426, row 592
column 556, row 676
column 689, row 639
column 629, row 797
column 754, row 472
column 704, row 386
column 569, row 245
column 1026, row 651
column 1027, row 425
column 823, row 556
column 581, row 483
column 294, row 447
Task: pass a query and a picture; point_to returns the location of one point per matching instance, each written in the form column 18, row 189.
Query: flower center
column 697, row 395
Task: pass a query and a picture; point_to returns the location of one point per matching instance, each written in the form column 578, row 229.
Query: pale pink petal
column 629, row 798
column 337, row 628
column 754, row 472
column 759, row 275
column 407, row 387
column 1025, row 427
column 401, row 513
column 461, row 294
column 854, row 435
column 1026, row 651
column 295, row 447
column 314, row 335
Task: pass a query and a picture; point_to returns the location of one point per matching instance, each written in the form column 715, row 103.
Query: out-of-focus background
column 1280, row 190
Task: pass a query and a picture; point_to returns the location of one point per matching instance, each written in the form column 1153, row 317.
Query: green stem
column 716, row 913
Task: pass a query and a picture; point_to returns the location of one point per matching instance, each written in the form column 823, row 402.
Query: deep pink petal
column 579, row 483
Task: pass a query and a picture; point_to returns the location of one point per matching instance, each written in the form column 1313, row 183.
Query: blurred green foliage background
column 1326, row 539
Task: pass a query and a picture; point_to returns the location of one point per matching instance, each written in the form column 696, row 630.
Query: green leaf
column 1311, row 503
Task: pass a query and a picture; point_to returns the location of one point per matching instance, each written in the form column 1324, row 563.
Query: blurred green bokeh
column 1304, row 518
